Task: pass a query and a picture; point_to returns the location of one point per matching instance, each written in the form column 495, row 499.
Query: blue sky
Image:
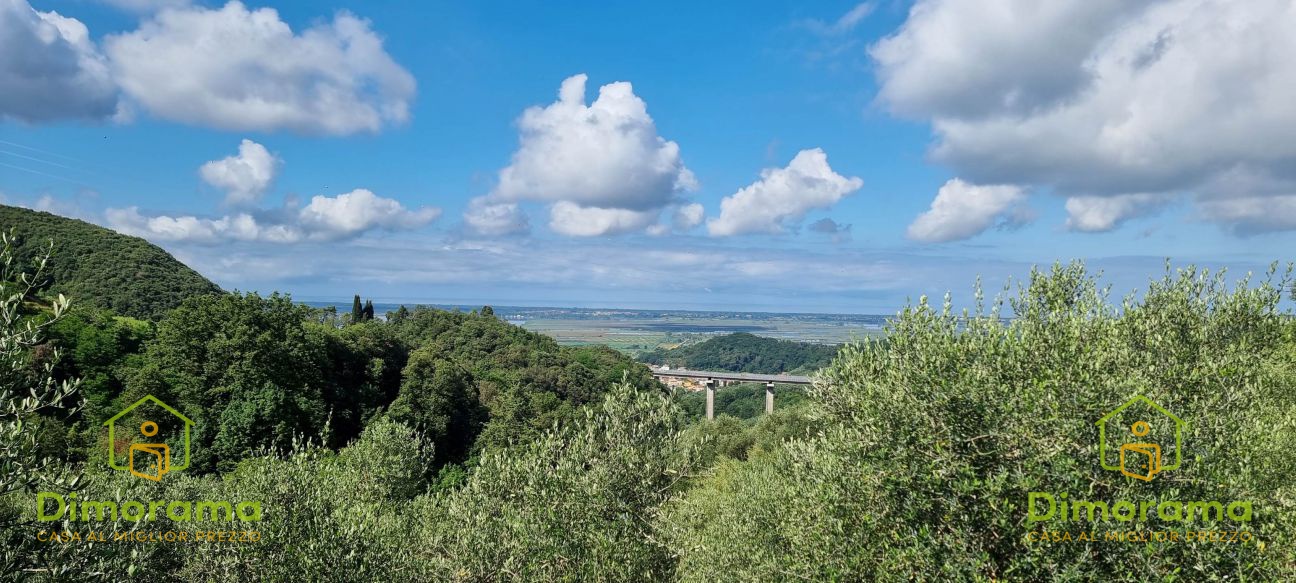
column 766, row 156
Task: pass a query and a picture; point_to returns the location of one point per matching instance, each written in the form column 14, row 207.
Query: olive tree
column 931, row 443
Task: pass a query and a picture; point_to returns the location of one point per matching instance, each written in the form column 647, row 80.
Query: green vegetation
column 103, row 351
column 28, row 387
column 100, row 268
column 452, row 446
column 525, row 379
column 743, row 352
column 929, row 445
column 256, row 372
column 361, row 313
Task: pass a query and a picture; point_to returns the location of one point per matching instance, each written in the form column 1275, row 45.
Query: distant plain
column 636, row 331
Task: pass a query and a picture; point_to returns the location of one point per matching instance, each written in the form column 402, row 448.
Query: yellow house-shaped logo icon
column 1140, row 459
column 150, row 460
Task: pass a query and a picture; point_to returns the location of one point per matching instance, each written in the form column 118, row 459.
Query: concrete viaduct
column 711, row 379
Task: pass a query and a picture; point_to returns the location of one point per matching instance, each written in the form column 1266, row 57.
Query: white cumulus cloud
column 601, row 166
column 238, row 69
column 1252, row 214
column 245, row 176
column 50, row 69
column 569, row 218
column 1092, row 98
column 687, row 216
column 953, row 58
column 1104, row 213
column 360, row 210
column 782, row 196
column 240, row 227
column 963, row 210
column 503, row 218
column 323, row 219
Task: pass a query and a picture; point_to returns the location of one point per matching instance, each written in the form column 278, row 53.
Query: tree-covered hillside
column 745, row 352
column 97, row 266
column 257, row 372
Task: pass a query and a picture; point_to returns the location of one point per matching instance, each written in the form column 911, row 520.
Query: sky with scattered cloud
column 842, row 156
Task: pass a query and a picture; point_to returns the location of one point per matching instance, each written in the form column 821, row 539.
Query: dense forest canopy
column 102, row 268
column 256, row 372
column 434, row 446
column 743, row 352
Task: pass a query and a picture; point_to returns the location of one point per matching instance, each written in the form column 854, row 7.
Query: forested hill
column 744, row 352
column 127, row 275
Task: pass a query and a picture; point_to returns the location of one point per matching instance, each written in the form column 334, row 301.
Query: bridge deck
column 731, row 376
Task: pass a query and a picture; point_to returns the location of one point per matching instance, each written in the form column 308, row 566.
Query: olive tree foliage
column 727, row 437
column 28, row 390
column 578, row 504
column 27, row 384
column 31, row 559
column 326, row 516
column 931, row 443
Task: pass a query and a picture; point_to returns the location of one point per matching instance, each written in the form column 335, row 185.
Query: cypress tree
column 368, row 310
column 357, row 313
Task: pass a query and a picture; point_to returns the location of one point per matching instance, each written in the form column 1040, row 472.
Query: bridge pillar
column 710, row 399
column 769, row 398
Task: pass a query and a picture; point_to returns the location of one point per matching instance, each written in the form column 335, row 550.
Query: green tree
column 365, row 376
column 357, row 310
column 102, row 350
column 524, row 379
column 251, row 372
column 439, row 398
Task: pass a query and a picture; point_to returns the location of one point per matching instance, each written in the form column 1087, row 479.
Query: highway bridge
column 710, row 379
